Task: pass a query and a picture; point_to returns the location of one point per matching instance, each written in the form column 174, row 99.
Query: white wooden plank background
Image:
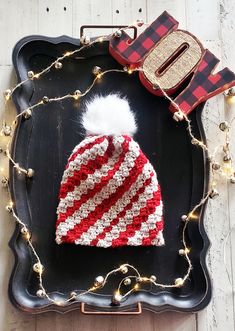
column 213, row 22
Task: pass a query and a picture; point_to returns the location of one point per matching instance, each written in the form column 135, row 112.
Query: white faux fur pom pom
column 109, row 115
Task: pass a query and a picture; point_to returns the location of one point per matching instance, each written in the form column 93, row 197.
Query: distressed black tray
column 44, row 143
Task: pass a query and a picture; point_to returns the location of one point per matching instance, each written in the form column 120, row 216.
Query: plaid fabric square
column 125, row 52
column 204, row 84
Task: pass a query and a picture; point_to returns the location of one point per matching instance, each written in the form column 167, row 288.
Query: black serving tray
column 44, row 143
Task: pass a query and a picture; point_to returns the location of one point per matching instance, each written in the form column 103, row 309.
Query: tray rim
column 12, row 242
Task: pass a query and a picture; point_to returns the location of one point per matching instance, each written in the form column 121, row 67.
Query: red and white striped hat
column 109, row 194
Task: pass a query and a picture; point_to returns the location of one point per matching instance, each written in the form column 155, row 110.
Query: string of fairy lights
column 132, row 280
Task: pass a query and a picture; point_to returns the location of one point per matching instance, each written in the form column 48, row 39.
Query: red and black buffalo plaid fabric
column 204, row 84
column 125, row 52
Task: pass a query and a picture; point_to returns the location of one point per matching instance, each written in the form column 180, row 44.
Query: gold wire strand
column 67, row 55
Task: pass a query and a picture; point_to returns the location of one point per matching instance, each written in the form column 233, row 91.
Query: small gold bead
column 30, row 173
column 178, row 116
column 118, row 34
column 215, row 166
column 9, row 208
column 214, row 193
column 117, row 298
column 24, row 230
column 7, row 94
column 30, row 74
column 184, row 218
column 85, row 40
column 140, row 22
column 179, row 282
column 224, row 126
column 184, row 251
column 155, row 86
column 124, row 269
column 27, row 113
column 5, row 182
column 153, row 278
column 45, row 100
column 77, row 94
column 73, row 295
column 127, row 281
column 99, row 281
column 232, row 180
column 40, row 293
column 181, row 252
column 6, row 130
column 38, row 268
column 96, row 70
column 227, row 158
column 231, row 92
column 58, row 65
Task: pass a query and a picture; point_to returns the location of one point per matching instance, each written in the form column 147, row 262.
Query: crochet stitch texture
column 109, row 196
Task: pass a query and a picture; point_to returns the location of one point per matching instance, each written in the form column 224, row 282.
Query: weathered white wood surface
column 213, row 22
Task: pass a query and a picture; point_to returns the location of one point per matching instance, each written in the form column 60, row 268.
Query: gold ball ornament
column 77, row 94
column 224, row 126
column 215, row 166
column 118, row 34
column 155, row 87
column 27, row 113
column 232, row 179
column 139, row 22
column 38, row 268
column 227, row 158
column 127, row 281
column 30, row 173
column 214, row 193
column 72, row 295
column 58, row 65
column 124, row 269
column 178, row 116
column 117, row 298
column 231, row 92
column 40, row 293
column 153, row 278
column 45, row 100
column 4, row 182
column 6, row 130
column 30, row 74
column 99, row 281
column 85, row 40
column 9, row 208
column 181, row 252
column 96, row 70
column 24, row 230
column 7, row 94
column 179, row 282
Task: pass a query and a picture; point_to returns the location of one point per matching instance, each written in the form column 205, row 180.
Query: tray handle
column 138, row 311
column 106, row 27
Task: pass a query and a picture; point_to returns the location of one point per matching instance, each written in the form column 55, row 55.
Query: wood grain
column 213, row 22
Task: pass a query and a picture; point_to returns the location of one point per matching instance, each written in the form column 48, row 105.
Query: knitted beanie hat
column 109, row 194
